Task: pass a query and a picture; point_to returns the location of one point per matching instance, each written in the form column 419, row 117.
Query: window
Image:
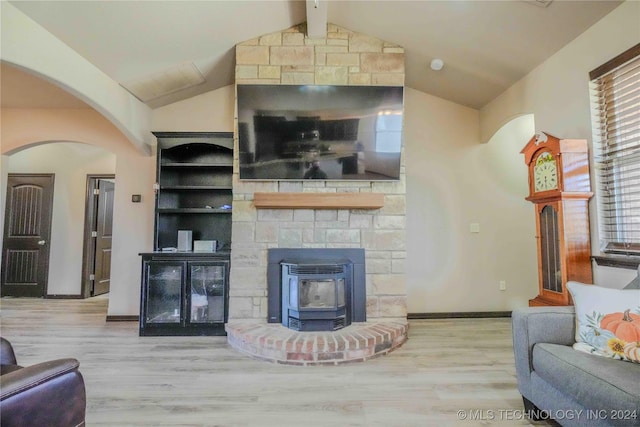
column 616, row 97
column 389, row 132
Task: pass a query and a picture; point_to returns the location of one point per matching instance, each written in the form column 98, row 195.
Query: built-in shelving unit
column 186, row 292
column 195, row 192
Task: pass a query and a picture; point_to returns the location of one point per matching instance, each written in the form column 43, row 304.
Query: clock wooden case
column 560, row 189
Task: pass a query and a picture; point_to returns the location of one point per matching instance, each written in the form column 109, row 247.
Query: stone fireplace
column 344, row 57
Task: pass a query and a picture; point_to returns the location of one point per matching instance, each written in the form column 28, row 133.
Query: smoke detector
column 437, row 64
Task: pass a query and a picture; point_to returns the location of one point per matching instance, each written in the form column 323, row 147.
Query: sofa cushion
column 608, row 321
column 595, row 382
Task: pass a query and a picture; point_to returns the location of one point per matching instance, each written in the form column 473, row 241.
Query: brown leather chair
column 50, row 394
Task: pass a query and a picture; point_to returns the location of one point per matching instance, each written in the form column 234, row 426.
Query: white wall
column 452, row 182
column 132, row 230
column 132, row 222
column 557, row 94
column 27, row 45
column 210, row 112
column 557, row 91
column 70, row 162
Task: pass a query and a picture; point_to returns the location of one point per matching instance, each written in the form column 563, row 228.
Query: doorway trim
column 90, row 218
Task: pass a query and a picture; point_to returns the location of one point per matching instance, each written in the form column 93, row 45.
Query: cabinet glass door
column 207, row 292
column 550, row 250
column 164, row 285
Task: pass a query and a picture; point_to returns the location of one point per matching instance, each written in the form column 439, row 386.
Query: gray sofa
column 574, row 388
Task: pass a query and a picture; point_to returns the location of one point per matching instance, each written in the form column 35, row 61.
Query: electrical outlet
column 503, row 285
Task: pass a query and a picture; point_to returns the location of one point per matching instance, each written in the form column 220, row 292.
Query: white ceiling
column 486, row 45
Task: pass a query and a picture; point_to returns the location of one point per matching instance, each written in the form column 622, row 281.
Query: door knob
column 42, row 242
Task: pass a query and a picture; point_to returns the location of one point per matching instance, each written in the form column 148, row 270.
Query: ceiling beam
column 317, row 18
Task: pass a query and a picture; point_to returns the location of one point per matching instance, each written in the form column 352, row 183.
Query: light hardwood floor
column 446, row 366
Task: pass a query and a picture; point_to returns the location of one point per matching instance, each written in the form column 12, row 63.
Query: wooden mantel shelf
column 318, row 200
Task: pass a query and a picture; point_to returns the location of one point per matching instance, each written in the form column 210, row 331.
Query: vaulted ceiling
column 486, row 46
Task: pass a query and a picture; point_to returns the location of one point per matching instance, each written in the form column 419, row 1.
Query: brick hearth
column 355, row 343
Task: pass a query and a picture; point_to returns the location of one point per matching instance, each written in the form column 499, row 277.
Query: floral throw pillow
column 608, row 321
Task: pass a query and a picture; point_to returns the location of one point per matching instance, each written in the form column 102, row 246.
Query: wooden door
column 104, row 232
column 27, row 233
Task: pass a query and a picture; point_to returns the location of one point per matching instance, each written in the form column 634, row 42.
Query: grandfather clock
column 560, row 189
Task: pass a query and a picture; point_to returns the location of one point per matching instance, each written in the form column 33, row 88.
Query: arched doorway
column 69, row 164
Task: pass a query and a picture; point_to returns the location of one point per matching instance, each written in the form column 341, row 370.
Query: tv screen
column 297, row 132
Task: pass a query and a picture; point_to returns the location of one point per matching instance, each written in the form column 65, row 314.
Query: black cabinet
column 194, row 187
column 184, row 294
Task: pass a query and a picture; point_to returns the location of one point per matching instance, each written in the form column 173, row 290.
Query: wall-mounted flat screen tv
column 297, row 132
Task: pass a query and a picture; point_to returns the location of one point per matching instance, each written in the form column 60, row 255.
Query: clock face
column 545, row 173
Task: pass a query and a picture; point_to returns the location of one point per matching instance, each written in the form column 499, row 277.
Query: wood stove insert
column 316, row 289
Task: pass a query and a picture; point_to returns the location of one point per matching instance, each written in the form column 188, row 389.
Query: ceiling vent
column 539, row 3
column 172, row 80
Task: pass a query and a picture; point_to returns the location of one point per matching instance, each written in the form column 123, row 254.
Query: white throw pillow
column 607, row 321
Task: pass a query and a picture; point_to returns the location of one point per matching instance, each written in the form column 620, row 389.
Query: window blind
column 615, row 91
